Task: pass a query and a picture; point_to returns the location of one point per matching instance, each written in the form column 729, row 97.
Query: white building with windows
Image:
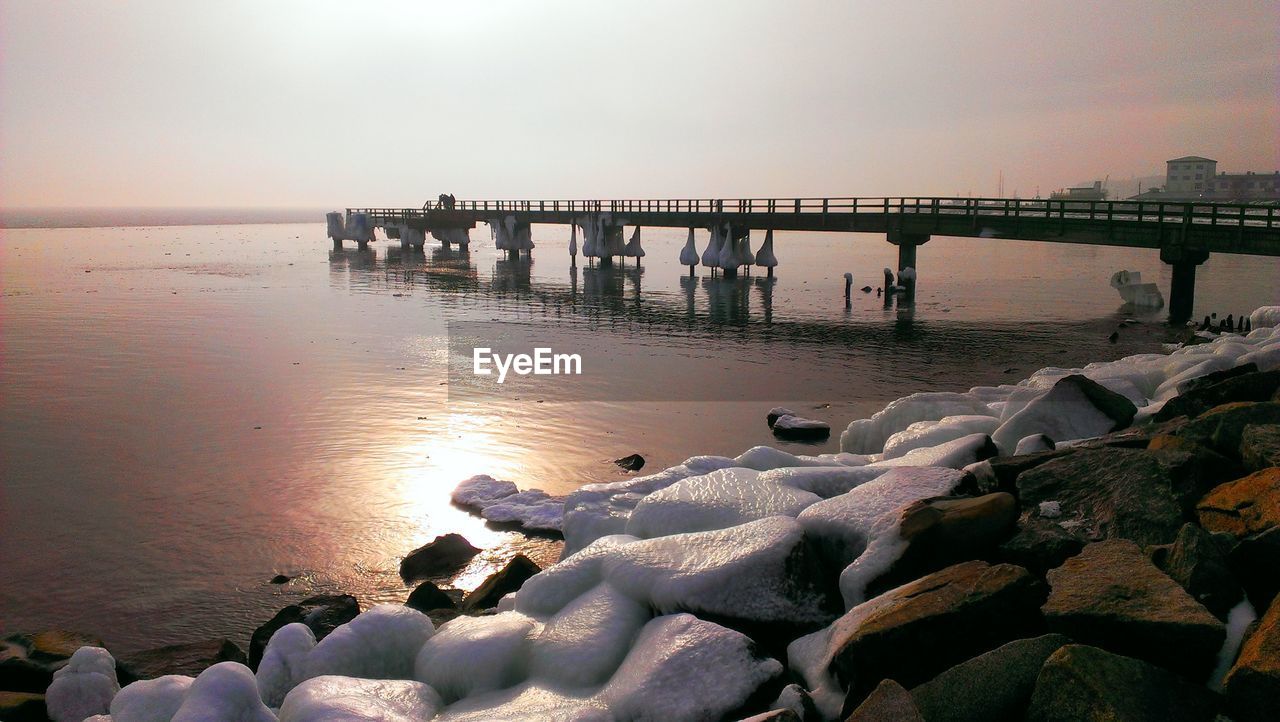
column 1192, row 177
column 1189, row 175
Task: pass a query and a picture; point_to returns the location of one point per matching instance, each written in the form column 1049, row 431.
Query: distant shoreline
column 141, row 217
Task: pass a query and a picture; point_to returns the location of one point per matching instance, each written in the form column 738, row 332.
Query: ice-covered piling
column 689, row 254
column 765, row 257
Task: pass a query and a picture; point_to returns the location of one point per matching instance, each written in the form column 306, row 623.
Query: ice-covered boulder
column 83, row 687
column 868, row 436
column 723, row 498
column 684, row 668
column 284, row 663
column 470, row 655
column 923, row 434
column 330, row 698
column 1265, row 317
column 800, row 429
column 1033, row 443
column 859, row 531
column 766, row 458
column 482, row 490
column 825, row 481
column 597, row 510
column 379, row 644
column 151, row 700
column 528, row 701
column 1133, row 291
column 532, row 509
column 584, row 643
column 225, row 691
column 1075, row 408
column 761, row 572
column 955, row 454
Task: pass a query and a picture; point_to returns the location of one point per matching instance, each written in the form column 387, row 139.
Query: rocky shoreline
column 952, row 563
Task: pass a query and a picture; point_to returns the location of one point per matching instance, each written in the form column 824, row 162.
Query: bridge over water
column 1185, row 233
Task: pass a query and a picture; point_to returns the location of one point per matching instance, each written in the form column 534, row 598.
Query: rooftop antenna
column 1000, row 185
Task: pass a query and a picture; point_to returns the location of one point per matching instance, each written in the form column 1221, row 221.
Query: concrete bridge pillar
column 907, row 244
column 1182, row 287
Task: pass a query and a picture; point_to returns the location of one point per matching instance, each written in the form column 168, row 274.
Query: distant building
column 1093, row 192
column 1194, row 178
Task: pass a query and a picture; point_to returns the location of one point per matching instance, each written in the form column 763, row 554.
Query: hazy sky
column 362, row 103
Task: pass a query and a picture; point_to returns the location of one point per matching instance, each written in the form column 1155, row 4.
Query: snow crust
column 721, row 499
column 328, row 698
column 83, row 687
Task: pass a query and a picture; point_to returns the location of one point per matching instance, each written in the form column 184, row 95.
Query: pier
column 1185, row 233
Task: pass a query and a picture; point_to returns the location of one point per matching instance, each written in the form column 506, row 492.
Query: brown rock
column 1039, row 545
column 321, row 613
column 1127, row 493
column 1254, row 562
column 1000, row 473
column 1260, row 446
column 439, row 557
column 919, row 629
column 28, row 661
column 1242, row 383
column 502, row 582
column 1197, row 560
column 428, row 597
column 1243, row 507
column 994, row 687
column 190, row 659
column 1253, row 684
column 1222, row 427
column 888, row 702
column 947, row 530
column 1110, row 595
column 1087, row 683
column 22, row 707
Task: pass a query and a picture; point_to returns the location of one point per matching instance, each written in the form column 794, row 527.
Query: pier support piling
column 907, row 244
column 1182, row 286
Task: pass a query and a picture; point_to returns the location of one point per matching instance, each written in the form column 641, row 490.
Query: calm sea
column 186, row 411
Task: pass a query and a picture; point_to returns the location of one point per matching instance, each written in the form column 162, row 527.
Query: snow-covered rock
column 796, row 427
column 284, row 662
column 721, row 499
column 83, row 687
column 584, row 643
column 1074, row 408
column 501, row 501
column 381, row 643
column 932, row 433
column 528, row 701
column 470, row 655
column 868, row 436
column 481, row 490
column 330, row 698
column 825, row 481
column 225, row 691
column 1265, row 317
column 1032, row 443
column 151, row 700
column 955, row 454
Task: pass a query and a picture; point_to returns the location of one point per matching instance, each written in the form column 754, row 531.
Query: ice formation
column 501, row 501
column 470, row 655
column 711, row 254
column 225, row 691
column 83, row 687
column 1265, row 316
column 151, row 700
column 931, row 433
column 325, row 699
column 745, row 256
column 721, row 499
column 378, row 644
column 584, row 642
column 689, row 254
column 728, row 254
column 283, row 664
column 1133, row 291
column 573, row 240
column 765, row 257
column 633, row 249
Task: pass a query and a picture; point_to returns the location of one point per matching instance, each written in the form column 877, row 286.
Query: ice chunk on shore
column 685, row 668
column 328, row 698
column 598, row 510
column 481, row 490
column 284, row 662
column 83, row 687
column 381, row 643
column 501, row 501
column 868, row 436
column 723, row 498
column 151, row 700
column 470, row 655
column 225, row 691
column 923, row 434
column 859, row 530
column 586, row 641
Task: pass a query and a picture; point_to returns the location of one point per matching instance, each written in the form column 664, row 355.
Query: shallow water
column 188, row 411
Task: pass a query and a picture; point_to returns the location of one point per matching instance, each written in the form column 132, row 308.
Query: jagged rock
column 428, row 597
column 888, row 702
column 943, row 531
column 504, row 581
column 1000, row 473
column 1254, row 562
column 995, row 686
column 1115, row 492
column 1222, row 427
column 28, row 661
column 1260, row 446
column 1110, row 595
column 1136, row 437
column 189, row 659
column 1075, row 408
column 22, row 707
column 1086, row 683
column 913, row 632
column 439, row 557
column 1198, row 561
column 635, row 462
column 1217, row 390
column 322, row 614
column 1243, row 507
column 1253, row 684
column 1039, row 545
